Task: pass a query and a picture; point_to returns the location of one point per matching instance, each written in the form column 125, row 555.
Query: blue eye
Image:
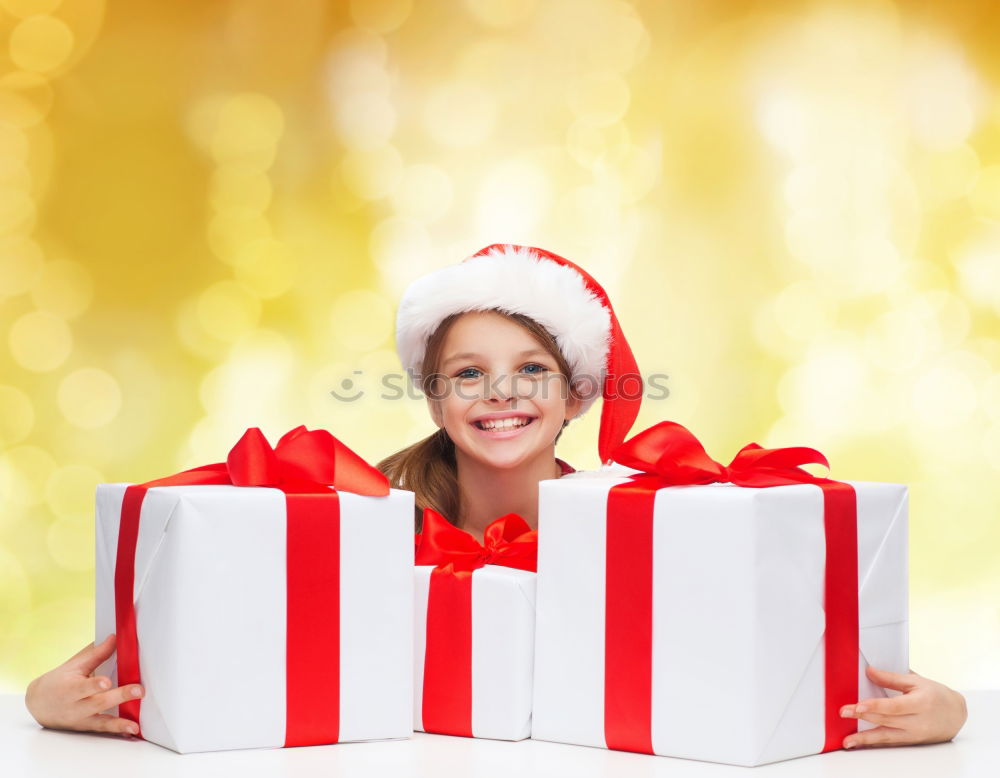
column 541, row 368
column 463, row 372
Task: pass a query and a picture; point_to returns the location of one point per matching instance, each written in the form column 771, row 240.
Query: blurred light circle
column 65, row 288
column 229, row 232
column 459, row 114
column 21, row 262
column 899, row 339
column 364, row 120
column 246, row 125
column 89, row 397
column 514, row 197
column 266, row 267
column 226, row 310
column 24, row 471
column 40, row 341
column 638, row 173
column 600, row 99
column 978, row 266
column 944, row 395
column 70, row 541
column 591, row 145
column 401, row 249
column 373, row 173
column 361, row 319
column 234, row 189
column 942, row 176
column 191, row 333
column 939, row 92
column 878, row 264
column 380, row 15
column 985, row 195
column 40, row 43
column 13, row 141
column 25, row 98
column 17, row 415
column 69, row 490
column 424, row 192
column 17, row 209
column 623, row 39
column 501, row 13
column 803, row 309
column 356, row 64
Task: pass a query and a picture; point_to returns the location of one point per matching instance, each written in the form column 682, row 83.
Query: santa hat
column 553, row 291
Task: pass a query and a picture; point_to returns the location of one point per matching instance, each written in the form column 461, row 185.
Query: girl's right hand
column 70, row 696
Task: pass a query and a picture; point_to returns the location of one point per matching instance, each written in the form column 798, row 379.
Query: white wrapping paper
column 738, row 619
column 503, row 633
column 210, row 602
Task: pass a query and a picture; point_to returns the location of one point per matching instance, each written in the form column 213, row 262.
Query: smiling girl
column 508, row 347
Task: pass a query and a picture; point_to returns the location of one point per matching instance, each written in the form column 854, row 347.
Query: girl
column 508, row 347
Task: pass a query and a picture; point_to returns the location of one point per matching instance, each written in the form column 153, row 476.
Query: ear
column 573, row 404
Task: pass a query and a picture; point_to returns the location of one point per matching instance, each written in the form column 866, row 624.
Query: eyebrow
column 473, row 355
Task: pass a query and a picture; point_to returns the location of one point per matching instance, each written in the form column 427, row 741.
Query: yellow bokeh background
column 208, row 212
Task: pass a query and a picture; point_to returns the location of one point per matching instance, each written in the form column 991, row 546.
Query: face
column 503, row 399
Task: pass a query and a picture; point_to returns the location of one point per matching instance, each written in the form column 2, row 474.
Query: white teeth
column 504, row 424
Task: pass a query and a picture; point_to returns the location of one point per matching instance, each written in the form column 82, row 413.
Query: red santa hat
column 553, row 291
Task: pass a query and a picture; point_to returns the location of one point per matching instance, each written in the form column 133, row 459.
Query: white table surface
column 29, row 750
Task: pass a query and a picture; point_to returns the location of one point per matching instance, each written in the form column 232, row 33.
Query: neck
column 487, row 493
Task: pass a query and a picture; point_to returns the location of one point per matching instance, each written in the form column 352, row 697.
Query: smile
column 501, row 429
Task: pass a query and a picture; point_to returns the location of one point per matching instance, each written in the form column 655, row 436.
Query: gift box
column 474, row 619
column 721, row 613
column 262, row 602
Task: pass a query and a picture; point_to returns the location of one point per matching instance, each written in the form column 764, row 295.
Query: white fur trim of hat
column 517, row 280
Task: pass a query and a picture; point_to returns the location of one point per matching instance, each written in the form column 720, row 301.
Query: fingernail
column 136, row 691
column 860, row 708
column 133, row 730
column 846, row 711
column 849, row 744
column 105, row 683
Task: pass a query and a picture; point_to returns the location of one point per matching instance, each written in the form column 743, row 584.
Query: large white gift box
column 213, row 612
column 738, row 617
column 474, row 630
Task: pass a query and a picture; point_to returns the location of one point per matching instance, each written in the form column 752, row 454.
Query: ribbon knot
column 671, row 453
column 508, row 541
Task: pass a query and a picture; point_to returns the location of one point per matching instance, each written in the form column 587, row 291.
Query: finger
column 903, row 705
column 101, row 722
column 93, row 685
column 87, row 660
column 117, row 696
column 889, row 720
column 899, row 681
column 879, row 736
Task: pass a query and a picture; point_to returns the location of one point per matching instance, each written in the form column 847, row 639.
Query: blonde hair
column 428, row 468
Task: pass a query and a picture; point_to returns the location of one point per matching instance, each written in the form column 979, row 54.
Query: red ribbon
column 304, row 465
column 508, row 541
column 669, row 455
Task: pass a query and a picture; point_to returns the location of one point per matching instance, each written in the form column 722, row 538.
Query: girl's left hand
column 927, row 712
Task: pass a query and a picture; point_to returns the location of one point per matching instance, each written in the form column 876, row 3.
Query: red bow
column 672, row 453
column 304, row 463
column 667, row 454
column 507, row 541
